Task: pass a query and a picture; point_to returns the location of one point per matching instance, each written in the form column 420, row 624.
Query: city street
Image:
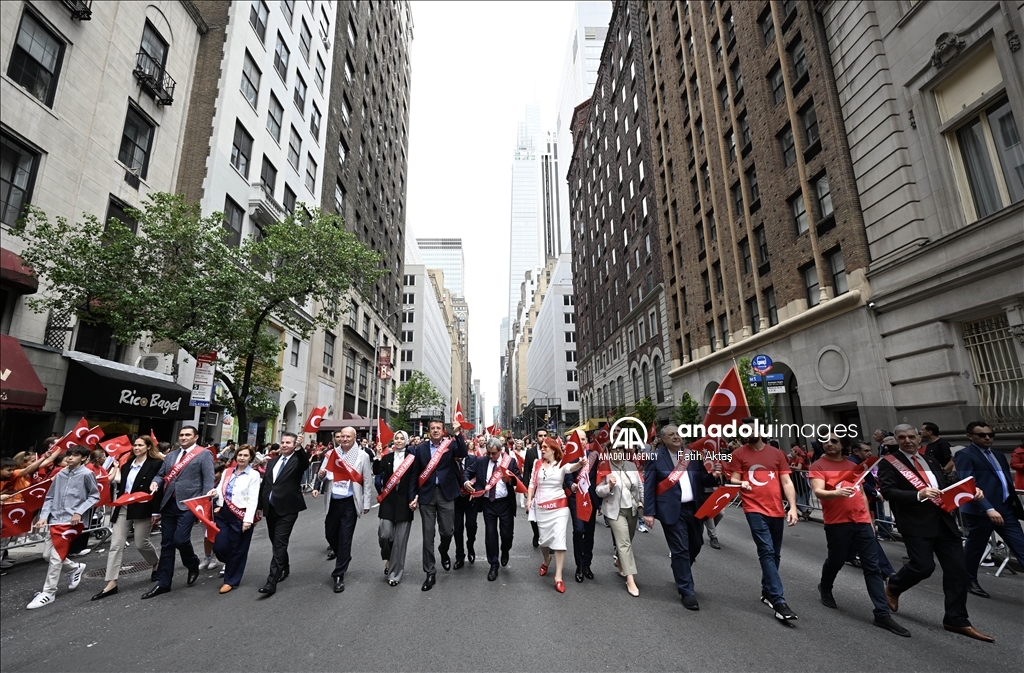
column 516, row 623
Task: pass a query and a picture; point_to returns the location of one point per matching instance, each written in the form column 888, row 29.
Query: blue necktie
column 999, row 473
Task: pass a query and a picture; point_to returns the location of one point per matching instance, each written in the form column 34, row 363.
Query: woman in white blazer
column 622, row 494
column 236, row 499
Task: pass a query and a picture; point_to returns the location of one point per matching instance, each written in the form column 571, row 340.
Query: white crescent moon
column 11, row 514
column 714, row 443
column 965, row 496
column 92, row 439
column 750, row 474
column 74, row 533
column 37, row 488
column 315, row 420
column 200, row 509
column 725, row 496
column 732, row 400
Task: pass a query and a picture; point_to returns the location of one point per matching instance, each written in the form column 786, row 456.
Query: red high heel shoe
column 543, row 569
column 560, row 586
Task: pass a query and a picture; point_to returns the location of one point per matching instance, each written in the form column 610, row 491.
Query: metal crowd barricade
column 98, row 527
column 309, row 478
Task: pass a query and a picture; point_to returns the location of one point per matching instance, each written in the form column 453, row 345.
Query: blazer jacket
column 971, row 462
column 914, row 517
column 245, row 494
column 395, row 507
column 143, row 478
column 667, row 506
column 194, row 480
column 448, row 476
column 612, row 495
column 476, row 466
column 287, row 488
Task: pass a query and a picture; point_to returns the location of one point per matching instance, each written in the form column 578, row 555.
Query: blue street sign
column 776, row 377
column 761, row 363
column 754, row 380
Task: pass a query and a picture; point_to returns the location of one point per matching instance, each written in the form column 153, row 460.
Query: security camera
column 871, row 304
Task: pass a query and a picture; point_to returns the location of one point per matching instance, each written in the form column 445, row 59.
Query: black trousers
column 499, row 515
column 945, row 546
column 465, row 521
column 339, row 527
column 583, row 537
column 279, row 530
column 175, row 534
column 844, row 539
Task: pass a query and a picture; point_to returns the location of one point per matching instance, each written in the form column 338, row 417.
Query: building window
column 18, row 166
column 116, row 211
column 788, row 146
column 407, row 336
column 994, row 181
column 136, row 142
column 294, row 148
column 408, row 316
column 730, row 143
column 570, row 356
column 258, row 13
column 314, row 122
column 405, row 375
column 799, row 210
column 998, row 379
column 824, row 196
column 339, row 198
column 777, row 85
column 744, row 129
column 250, row 80
column 701, row 247
column 737, row 197
column 659, row 388
column 233, row 216
column 268, row 176
column 748, row 264
column 409, row 298
column 320, row 74
column 289, row 200
column 755, row 191
column 723, row 326
column 755, row 317
column 275, row 113
column 299, row 95
column 716, row 46
column 737, row 78
column 305, row 40
column 329, row 340
column 241, row 149
column 568, row 318
column 572, row 395
column 351, row 31
column 346, row 112
column 767, row 27
column 567, row 300
column 717, row 269
column 712, row 336
column 570, row 337
column 36, row 59
column 810, row 121
column 838, row 270
column 811, row 285
column 288, row 9
column 342, row 152
column 706, row 280
column 723, row 94
column 294, row 355
column 409, row 280
column 798, row 57
column 281, row 56
column 571, row 375
column 406, row 355
column 762, row 245
column 712, row 226
column 773, row 312
column 311, row 174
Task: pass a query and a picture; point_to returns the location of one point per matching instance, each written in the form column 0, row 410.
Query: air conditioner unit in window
column 212, row 418
column 162, row 363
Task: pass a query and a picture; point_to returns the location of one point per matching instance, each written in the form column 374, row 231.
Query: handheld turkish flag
column 33, row 496
column 604, row 468
column 384, row 433
column 133, row 498
column 957, row 494
column 316, row 417
column 103, row 484
column 17, row 519
column 73, row 437
column 460, row 418
column 718, row 501
column 62, row 535
column 728, row 404
column 602, row 436
column 117, row 446
column 855, row 475
column 93, row 436
column 652, row 433
column 202, row 507
column 152, row 435
column 80, row 430
column 584, row 506
column 573, row 448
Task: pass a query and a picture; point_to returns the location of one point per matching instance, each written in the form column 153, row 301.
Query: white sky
column 475, row 66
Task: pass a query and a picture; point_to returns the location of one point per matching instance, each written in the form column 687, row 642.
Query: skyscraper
column 524, row 240
column 445, row 254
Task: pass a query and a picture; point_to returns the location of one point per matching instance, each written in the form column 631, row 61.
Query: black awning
column 95, row 388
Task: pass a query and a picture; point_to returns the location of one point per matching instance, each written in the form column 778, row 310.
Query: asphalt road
column 518, row 623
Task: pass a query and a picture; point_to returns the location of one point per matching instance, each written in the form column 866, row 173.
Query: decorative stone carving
column 947, row 47
column 913, row 122
column 1014, row 41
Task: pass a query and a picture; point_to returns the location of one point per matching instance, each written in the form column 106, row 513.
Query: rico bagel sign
column 153, row 401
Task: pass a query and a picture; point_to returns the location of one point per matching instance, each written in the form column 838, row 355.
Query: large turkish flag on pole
column 728, row 404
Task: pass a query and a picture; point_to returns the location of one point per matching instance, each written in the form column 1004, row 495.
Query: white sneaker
column 222, row 572
column 6, row 563
column 76, row 577
column 40, row 600
column 212, row 564
column 204, row 563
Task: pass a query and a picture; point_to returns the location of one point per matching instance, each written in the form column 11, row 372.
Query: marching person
column 762, row 473
column 583, row 531
column 394, row 513
column 848, row 528
column 495, row 476
column 346, row 474
column 673, row 492
column 433, row 491
column 532, row 455
column 1000, row 510
column 73, row 493
column 909, row 481
column 466, row 509
column 187, row 473
column 133, row 477
column 280, row 503
column 547, row 497
column 622, row 494
column 237, row 499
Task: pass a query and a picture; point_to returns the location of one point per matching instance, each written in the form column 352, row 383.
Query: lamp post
column 547, row 409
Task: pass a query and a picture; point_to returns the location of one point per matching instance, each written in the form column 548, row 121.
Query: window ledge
column 46, row 108
column 812, row 150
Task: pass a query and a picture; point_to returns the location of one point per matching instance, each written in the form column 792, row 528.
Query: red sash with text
column 497, row 474
column 176, row 470
column 910, row 476
column 674, row 476
column 432, row 465
column 232, row 507
column 557, row 503
column 397, row 476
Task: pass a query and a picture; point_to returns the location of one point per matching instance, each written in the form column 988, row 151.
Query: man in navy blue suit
column 1000, row 510
column 583, row 531
column 494, row 481
column 673, row 492
column 433, row 490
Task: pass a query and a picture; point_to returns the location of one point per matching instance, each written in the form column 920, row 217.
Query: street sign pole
column 762, row 364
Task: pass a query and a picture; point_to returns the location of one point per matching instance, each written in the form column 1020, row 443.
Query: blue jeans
column 767, row 534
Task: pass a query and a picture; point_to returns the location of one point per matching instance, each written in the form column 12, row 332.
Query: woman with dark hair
column 132, row 477
column 237, row 497
column 547, row 493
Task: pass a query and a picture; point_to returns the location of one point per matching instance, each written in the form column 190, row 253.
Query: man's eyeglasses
column 990, row 435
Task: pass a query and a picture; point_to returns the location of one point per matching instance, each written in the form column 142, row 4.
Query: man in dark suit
column 909, row 481
column 435, row 496
column 281, row 500
column 466, row 509
column 583, row 531
column 532, row 454
column 187, row 473
column 676, row 507
column 1000, row 510
column 498, row 502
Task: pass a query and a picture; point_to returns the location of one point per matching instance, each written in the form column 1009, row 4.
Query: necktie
column 919, row 464
column 181, row 456
column 999, row 473
column 491, row 493
column 280, row 467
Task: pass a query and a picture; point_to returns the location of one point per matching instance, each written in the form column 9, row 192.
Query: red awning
column 17, row 274
column 20, row 387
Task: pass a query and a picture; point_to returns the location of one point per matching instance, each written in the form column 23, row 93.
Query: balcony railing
column 154, row 80
column 263, row 208
column 81, row 10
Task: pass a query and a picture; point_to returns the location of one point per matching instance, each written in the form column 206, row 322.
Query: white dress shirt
column 685, row 487
column 919, row 463
column 500, row 491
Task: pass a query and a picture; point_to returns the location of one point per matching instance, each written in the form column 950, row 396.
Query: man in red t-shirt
column 848, row 524
column 759, row 469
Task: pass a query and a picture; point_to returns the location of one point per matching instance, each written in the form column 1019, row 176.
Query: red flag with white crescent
column 152, row 435
column 957, row 494
column 62, row 535
column 316, row 417
column 117, row 446
column 652, row 433
column 728, row 404
column 80, row 430
column 384, row 433
column 460, row 418
column 602, row 436
column 17, row 519
column 573, row 448
column 103, row 484
column 93, row 436
column 717, row 501
column 34, row 495
column 584, row 506
column 133, row 498
column 74, row 436
column 203, row 509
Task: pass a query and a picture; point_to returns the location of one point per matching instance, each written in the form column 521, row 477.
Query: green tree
column 179, row 280
column 646, row 411
column 755, row 396
column 414, row 395
column 687, row 412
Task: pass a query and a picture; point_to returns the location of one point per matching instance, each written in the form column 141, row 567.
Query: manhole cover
column 126, row 569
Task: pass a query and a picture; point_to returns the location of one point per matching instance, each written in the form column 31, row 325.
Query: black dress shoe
column 714, row 543
column 283, row 575
column 588, row 573
column 975, row 588
column 470, row 553
column 826, row 598
column 268, row 589
column 579, row 573
column 492, row 574
column 156, row 591
column 446, row 561
column 690, row 603
column 459, row 563
column 889, row 624
column 536, row 540
column 428, row 583
column 152, row 576
column 331, row 555
column 193, row 575
column 339, row 585
column 103, row 594
column 504, row 559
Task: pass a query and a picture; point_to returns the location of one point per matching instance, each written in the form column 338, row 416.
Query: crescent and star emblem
column 753, row 480
column 732, row 401
column 19, row 511
column 962, row 496
column 33, row 492
column 315, row 419
column 73, row 532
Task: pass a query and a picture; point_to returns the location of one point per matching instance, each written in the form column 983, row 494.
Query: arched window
column 622, row 391
column 659, row 390
column 636, row 387
column 647, row 380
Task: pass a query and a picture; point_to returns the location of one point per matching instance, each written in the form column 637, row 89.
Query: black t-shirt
column 940, row 451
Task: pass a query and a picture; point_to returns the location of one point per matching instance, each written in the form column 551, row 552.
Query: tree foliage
column 687, row 412
column 179, row 280
column 414, row 395
column 645, row 410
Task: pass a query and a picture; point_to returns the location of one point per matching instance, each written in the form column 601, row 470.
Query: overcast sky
column 475, row 66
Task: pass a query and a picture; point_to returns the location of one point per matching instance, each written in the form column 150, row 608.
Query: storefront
column 124, row 400
column 22, row 397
